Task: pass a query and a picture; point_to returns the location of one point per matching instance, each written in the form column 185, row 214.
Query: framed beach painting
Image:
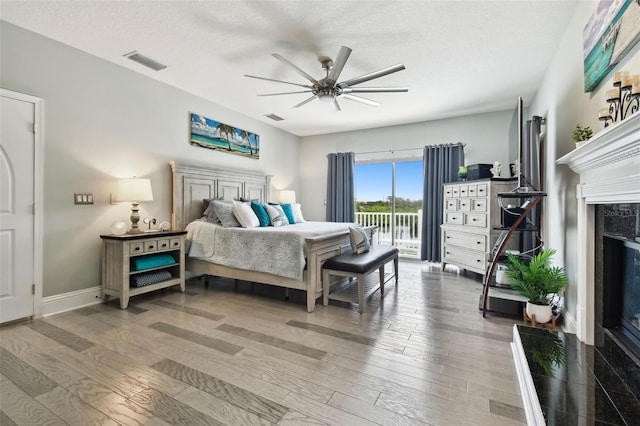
column 614, row 28
column 212, row 134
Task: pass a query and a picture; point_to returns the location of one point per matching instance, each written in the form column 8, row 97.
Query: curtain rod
column 389, row 150
column 406, row 149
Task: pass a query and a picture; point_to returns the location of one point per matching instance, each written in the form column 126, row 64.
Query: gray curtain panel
column 340, row 187
column 532, row 171
column 441, row 163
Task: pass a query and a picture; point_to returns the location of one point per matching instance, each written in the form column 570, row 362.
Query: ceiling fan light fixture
column 325, row 98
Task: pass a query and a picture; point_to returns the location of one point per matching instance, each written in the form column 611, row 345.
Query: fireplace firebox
column 618, row 286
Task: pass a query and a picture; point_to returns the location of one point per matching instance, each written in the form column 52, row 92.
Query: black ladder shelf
column 531, row 199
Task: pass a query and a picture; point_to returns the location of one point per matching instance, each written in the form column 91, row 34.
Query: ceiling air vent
column 144, row 60
column 274, row 117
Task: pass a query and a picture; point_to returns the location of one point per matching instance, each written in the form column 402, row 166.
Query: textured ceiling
column 462, row 57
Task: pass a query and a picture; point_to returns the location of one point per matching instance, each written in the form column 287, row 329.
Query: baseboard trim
column 73, row 300
column 570, row 323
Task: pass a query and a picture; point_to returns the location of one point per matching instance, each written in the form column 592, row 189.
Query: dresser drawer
column 464, row 191
column 175, row 243
column 448, row 191
column 472, row 190
column 475, row 219
column 454, row 218
column 451, row 205
column 455, row 191
column 150, row 246
column 464, row 205
column 478, row 204
column 467, row 240
column 482, row 190
column 465, row 258
column 163, row 244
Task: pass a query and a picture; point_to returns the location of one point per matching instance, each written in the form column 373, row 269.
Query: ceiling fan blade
column 336, row 105
column 278, row 81
column 298, row 70
column 285, row 93
column 372, row 75
column 362, row 100
column 305, row 101
column 338, row 65
column 374, row 89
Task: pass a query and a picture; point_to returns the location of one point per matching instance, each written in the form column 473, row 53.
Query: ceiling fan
column 328, row 89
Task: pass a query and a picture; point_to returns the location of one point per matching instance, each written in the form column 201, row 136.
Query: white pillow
column 297, row 212
column 276, row 214
column 245, row 215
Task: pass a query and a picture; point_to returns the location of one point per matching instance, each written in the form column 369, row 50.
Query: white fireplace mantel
column 609, row 169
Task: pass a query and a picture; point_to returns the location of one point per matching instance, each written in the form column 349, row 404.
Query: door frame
column 38, row 130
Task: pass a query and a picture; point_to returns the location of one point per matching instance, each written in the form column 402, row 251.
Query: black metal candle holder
column 622, row 102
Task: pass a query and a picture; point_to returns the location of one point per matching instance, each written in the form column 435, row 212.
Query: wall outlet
column 83, row 199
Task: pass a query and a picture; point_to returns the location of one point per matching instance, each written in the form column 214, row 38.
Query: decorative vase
column 542, row 313
column 118, row 227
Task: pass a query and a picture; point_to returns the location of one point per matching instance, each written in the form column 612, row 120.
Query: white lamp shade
column 287, row 197
column 134, row 189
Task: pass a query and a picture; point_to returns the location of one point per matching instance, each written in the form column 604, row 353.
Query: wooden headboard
column 194, row 182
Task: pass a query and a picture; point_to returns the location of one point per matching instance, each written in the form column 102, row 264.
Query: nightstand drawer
column 163, row 244
column 451, row 205
column 175, row 243
column 150, row 246
column 136, row 248
column 464, row 191
column 472, row 190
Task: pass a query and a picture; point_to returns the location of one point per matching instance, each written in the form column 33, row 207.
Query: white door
column 17, row 199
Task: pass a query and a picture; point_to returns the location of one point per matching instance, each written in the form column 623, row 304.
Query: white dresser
column 471, row 213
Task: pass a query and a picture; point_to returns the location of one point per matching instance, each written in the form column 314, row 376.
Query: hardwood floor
column 223, row 355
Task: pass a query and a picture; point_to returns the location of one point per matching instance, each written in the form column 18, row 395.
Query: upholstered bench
column 359, row 266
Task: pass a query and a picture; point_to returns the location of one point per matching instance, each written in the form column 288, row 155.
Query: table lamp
column 287, row 197
column 134, row 190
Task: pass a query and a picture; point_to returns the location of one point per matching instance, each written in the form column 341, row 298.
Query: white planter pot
column 542, row 313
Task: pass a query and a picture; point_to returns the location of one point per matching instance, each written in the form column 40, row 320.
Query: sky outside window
column 373, row 181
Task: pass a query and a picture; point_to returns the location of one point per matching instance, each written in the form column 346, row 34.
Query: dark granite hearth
column 595, row 385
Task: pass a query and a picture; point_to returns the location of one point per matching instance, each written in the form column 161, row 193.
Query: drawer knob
column 164, row 245
column 478, row 242
column 136, row 249
column 473, row 220
column 151, row 246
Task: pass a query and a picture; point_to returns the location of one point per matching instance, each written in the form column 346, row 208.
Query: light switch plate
column 82, row 198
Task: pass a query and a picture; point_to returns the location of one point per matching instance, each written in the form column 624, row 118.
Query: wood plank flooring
column 227, row 355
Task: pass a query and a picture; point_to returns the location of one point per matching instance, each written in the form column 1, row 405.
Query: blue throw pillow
column 289, row 213
column 261, row 211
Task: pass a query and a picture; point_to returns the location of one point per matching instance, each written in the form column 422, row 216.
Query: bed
column 194, row 182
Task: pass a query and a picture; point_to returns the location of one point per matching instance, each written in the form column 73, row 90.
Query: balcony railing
column 407, row 232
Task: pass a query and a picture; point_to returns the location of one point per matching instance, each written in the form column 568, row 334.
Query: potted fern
column 536, row 280
column 581, row 135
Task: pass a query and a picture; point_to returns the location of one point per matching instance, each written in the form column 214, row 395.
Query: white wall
column 562, row 101
column 101, row 122
column 485, row 135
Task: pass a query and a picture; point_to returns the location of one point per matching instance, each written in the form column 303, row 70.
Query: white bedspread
column 275, row 250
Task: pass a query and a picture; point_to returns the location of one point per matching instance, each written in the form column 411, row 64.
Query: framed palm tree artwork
column 212, row 134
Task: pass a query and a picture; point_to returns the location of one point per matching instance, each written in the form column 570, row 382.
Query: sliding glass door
column 389, row 195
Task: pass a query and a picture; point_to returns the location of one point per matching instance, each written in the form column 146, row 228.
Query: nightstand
column 134, row 264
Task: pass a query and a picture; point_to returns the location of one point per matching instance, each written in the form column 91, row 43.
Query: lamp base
column 135, row 218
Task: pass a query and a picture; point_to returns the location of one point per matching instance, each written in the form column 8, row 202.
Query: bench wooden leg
column 381, row 270
column 395, row 268
column 361, row 292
